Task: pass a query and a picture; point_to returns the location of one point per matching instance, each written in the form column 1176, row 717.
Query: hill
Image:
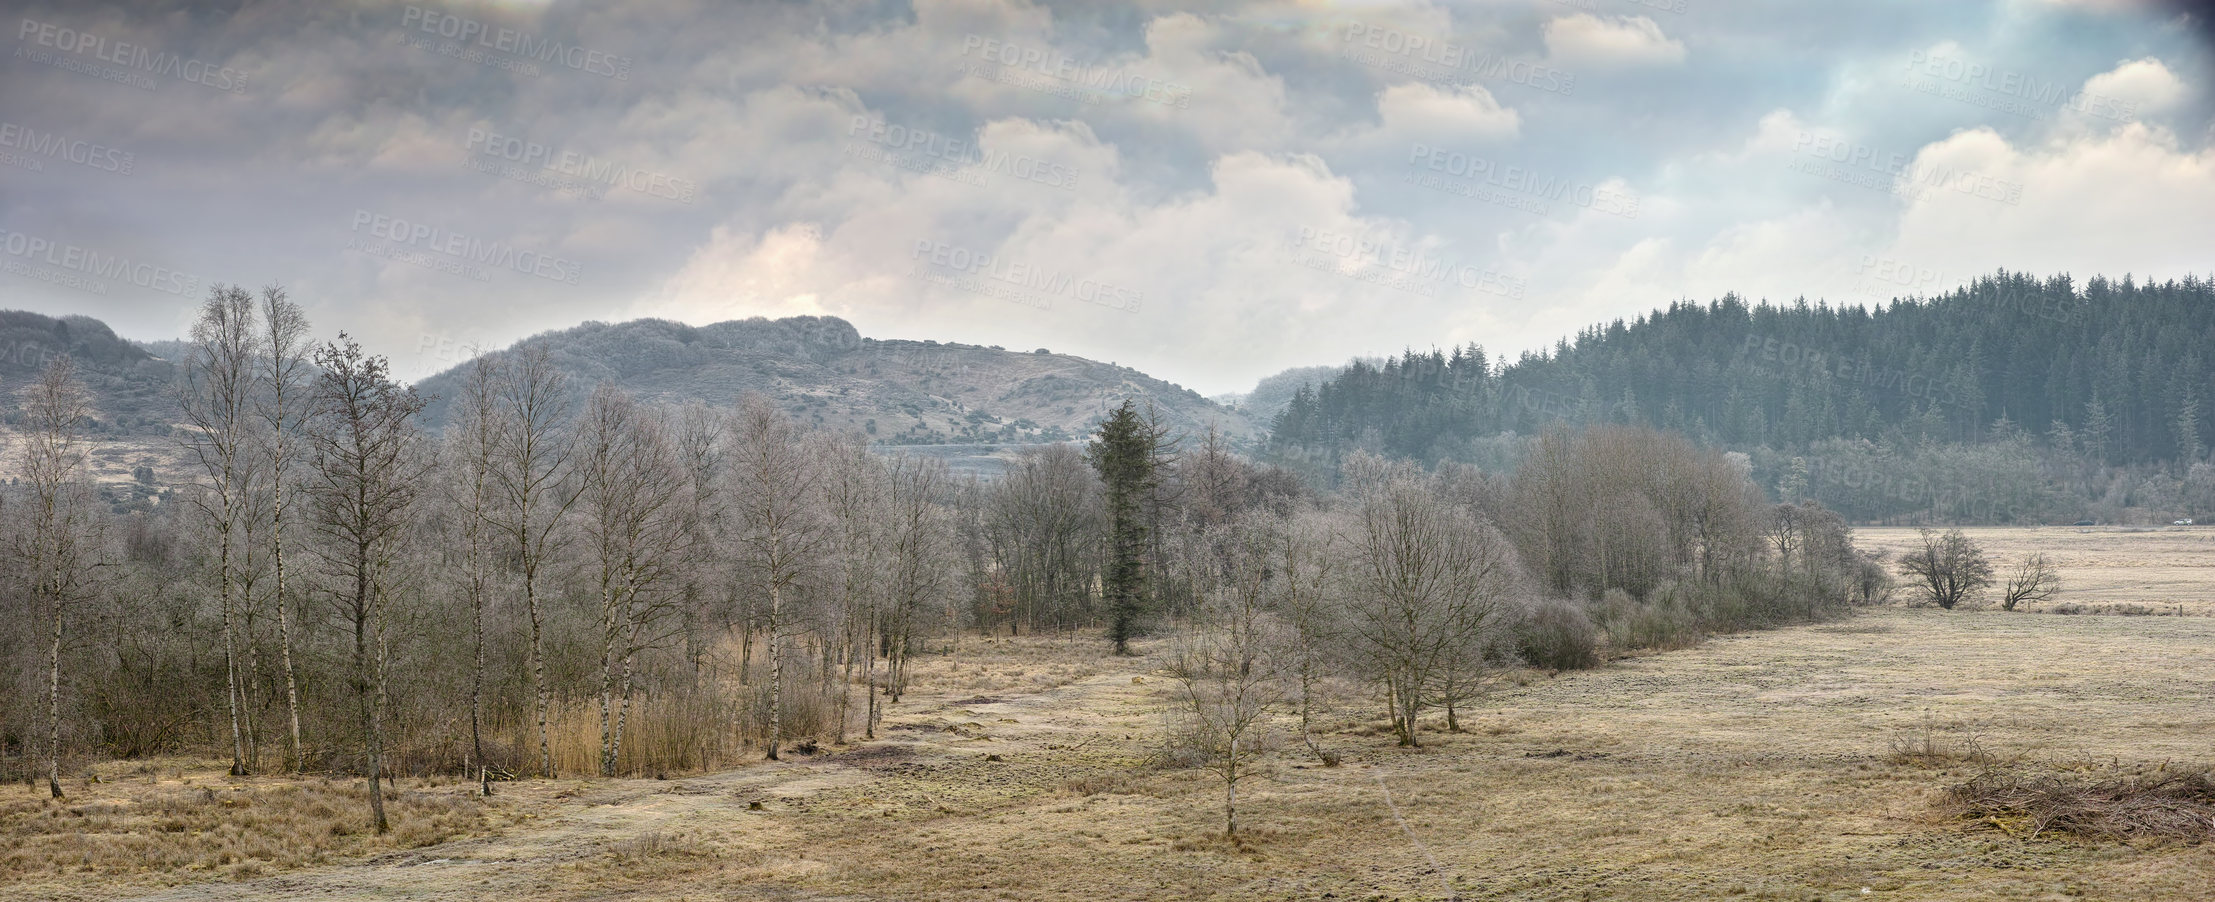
column 827, row 374
column 2012, row 399
column 131, row 384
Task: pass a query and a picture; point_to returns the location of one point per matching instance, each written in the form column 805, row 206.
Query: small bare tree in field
column 61, row 548
column 368, row 471
column 1947, row 567
column 1311, row 648
column 1226, row 680
column 2034, row 580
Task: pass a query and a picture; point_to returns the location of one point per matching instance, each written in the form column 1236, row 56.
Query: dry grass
column 175, row 820
column 2104, row 570
column 1800, row 763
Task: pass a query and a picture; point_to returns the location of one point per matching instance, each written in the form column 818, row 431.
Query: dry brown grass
column 177, row 820
column 2104, row 570
column 1761, row 766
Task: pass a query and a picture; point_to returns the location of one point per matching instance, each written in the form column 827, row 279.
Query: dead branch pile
column 2166, row 805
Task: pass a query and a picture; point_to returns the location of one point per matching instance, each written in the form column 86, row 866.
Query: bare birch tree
column 60, row 550
column 368, row 471
column 535, row 490
column 473, row 448
column 282, row 406
column 782, row 534
column 216, row 396
column 633, row 518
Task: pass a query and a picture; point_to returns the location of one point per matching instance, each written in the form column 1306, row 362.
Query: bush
column 1557, row 634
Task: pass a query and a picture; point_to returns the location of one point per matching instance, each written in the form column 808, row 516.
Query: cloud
column 1586, row 39
column 1465, row 112
column 2145, row 84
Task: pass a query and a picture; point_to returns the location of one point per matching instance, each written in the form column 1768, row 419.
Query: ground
column 1767, row 765
column 2133, row 570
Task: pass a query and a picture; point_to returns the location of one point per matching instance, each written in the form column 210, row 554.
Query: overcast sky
column 1210, row 193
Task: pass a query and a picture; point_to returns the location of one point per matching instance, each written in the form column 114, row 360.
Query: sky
column 1208, row 192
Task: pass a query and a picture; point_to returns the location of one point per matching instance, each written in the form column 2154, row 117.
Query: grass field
column 2132, row 570
column 1764, row 765
column 1759, row 766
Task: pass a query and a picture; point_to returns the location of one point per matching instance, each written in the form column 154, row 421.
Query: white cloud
column 1586, row 39
column 2145, row 84
column 1464, row 112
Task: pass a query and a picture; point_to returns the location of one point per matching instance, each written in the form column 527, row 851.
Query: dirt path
column 590, row 822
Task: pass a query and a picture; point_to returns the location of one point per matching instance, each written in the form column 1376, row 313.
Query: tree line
column 565, row 580
column 2095, row 387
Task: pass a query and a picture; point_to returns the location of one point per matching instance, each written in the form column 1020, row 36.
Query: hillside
column 2013, row 399
column 827, row 374
column 131, row 384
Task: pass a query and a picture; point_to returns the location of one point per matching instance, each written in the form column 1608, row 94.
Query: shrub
column 1557, row 634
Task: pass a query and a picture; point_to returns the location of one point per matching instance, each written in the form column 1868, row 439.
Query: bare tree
column 1947, row 566
column 633, row 518
column 921, row 566
column 217, row 399
column 782, row 533
column 284, row 368
column 368, row 470
column 2034, row 580
column 61, row 549
column 1427, row 585
column 1226, row 682
column 1306, row 557
column 473, row 448
column 534, row 490
column 854, row 488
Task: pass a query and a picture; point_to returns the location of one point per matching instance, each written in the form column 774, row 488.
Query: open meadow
column 2128, row 570
column 1811, row 762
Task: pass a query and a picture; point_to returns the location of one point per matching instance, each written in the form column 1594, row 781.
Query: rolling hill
column 827, row 374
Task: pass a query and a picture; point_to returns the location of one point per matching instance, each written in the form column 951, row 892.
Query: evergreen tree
column 1123, row 455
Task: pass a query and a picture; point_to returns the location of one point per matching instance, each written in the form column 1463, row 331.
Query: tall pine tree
column 1123, row 454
